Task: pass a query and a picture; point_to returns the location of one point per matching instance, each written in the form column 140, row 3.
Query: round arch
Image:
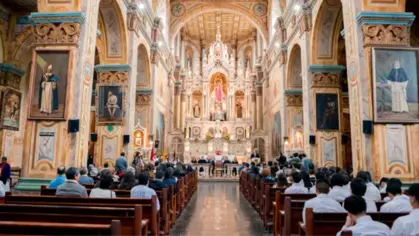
column 228, row 8
column 294, row 78
column 325, row 33
column 143, row 67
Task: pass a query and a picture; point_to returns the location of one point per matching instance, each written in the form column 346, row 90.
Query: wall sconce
column 286, row 140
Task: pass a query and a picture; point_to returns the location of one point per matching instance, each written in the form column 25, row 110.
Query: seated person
column 103, row 191
column 143, row 191
column 383, row 185
column 128, row 181
column 359, row 188
column 409, row 225
column 202, row 160
column 267, row 177
column 71, row 187
column 281, row 181
column 323, row 202
column 169, row 179
column 297, row 186
column 372, row 192
column 157, row 183
column 359, row 222
column 60, row 179
column 274, row 169
column 84, row 179
column 338, row 192
column 399, row 202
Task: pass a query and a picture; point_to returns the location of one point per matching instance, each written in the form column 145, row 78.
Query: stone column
column 259, row 101
column 176, row 106
column 255, row 48
column 183, row 112
column 254, row 110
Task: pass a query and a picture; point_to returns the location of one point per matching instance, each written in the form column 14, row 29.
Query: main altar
column 216, row 114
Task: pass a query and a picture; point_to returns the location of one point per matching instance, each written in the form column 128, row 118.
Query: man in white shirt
column 339, row 192
column 359, row 188
column 409, row 225
column 399, row 202
column 372, row 191
column 359, row 222
column 322, row 203
column 297, row 186
column 143, row 191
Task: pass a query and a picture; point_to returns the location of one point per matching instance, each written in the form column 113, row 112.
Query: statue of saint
column 48, row 92
column 239, row 108
column 218, row 91
column 112, row 105
column 196, row 109
column 219, row 114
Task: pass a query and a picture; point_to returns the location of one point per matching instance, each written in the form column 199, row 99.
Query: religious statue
column 196, row 110
column 239, row 108
column 219, row 114
column 218, row 91
column 398, row 81
column 48, row 92
column 112, row 105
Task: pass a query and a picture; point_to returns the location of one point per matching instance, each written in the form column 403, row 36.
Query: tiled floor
column 218, row 209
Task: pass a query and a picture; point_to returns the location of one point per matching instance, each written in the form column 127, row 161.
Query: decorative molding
column 4, row 67
column 133, row 19
column 113, row 77
column 57, row 17
column 57, row 33
column 113, row 68
column 143, row 99
column 386, row 18
column 325, row 80
column 10, row 75
column 326, row 68
column 293, row 92
column 294, row 100
column 144, row 91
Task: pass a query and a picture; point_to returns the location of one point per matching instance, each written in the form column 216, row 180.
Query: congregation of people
column 142, row 179
column 338, row 190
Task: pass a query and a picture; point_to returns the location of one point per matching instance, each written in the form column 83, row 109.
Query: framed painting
column 110, row 106
column 49, row 84
column 327, row 111
column 10, row 109
column 395, row 85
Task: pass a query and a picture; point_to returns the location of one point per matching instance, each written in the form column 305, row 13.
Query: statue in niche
column 196, row 109
column 219, row 114
column 218, row 90
column 48, row 92
column 239, row 108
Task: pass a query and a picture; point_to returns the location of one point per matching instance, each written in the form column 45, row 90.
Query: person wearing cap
column 60, row 179
column 409, row 224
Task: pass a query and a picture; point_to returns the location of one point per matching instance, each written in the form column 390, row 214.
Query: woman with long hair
column 128, row 181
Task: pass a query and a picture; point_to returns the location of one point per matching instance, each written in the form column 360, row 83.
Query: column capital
column 133, row 19
column 113, row 73
column 386, row 28
column 10, row 75
column 326, row 76
column 294, row 98
column 57, row 28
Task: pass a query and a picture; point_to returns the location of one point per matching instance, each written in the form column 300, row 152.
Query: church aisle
column 218, row 209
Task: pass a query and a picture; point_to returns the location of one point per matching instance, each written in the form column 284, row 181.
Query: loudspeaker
column 126, row 138
column 345, row 139
column 367, row 126
column 312, row 139
column 93, row 137
column 73, row 126
column 156, row 144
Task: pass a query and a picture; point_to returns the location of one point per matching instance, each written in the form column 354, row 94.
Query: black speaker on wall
column 312, row 139
column 93, row 137
column 345, row 139
column 126, row 138
column 367, row 126
column 73, row 126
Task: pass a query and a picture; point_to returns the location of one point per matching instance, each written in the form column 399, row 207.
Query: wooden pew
column 149, row 205
column 45, row 191
column 164, row 210
column 39, row 228
column 331, row 223
column 268, row 200
column 131, row 219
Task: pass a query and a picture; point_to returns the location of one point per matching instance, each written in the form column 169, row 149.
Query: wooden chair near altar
column 219, row 169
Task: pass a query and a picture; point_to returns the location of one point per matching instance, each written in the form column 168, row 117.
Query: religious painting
column 327, row 112
column 138, row 138
column 396, row 91
column 10, row 109
column 276, row 134
column 46, row 144
column 49, row 83
column 160, row 131
column 396, row 144
column 110, row 104
column 297, row 124
column 110, row 148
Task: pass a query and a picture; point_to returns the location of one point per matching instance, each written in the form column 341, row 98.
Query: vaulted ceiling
column 204, row 27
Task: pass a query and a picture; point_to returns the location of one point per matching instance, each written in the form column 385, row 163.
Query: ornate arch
column 294, row 78
column 143, row 67
column 114, row 34
column 192, row 13
column 325, row 33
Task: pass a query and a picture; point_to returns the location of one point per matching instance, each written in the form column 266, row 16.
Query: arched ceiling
column 237, row 19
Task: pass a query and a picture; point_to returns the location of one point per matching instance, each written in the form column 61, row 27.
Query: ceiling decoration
column 21, row 5
column 233, row 27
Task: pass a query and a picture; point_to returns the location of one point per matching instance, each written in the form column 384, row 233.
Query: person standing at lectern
column 254, row 157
